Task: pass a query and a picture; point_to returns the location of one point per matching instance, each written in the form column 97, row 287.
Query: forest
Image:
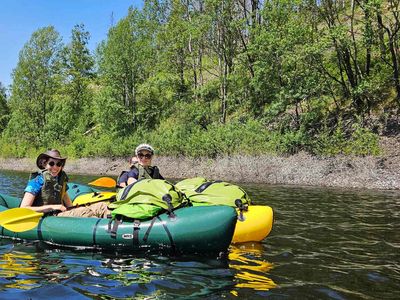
column 202, row 78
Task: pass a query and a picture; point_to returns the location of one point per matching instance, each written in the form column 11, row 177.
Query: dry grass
column 301, row 169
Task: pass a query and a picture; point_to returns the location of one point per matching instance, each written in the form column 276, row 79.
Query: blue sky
column 20, row 18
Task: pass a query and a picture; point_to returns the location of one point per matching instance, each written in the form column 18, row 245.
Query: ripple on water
column 325, row 244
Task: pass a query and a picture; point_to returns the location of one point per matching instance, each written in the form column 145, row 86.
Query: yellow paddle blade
column 19, row 219
column 107, row 182
column 93, row 198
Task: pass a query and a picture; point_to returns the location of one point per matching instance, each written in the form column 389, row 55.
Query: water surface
column 325, row 244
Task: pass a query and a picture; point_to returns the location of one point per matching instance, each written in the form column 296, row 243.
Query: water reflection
column 251, row 269
column 27, row 266
column 14, row 266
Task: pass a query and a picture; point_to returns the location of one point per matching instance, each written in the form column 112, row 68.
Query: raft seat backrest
column 3, row 201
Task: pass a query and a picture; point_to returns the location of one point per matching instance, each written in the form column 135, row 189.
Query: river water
column 325, row 244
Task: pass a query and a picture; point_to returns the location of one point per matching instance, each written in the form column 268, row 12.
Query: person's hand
column 60, row 207
column 56, row 207
column 134, row 160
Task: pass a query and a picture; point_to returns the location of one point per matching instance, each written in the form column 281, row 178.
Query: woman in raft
column 140, row 167
column 46, row 190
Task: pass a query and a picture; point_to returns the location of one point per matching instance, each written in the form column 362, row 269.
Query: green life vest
column 200, row 191
column 146, row 198
column 53, row 190
column 151, row 172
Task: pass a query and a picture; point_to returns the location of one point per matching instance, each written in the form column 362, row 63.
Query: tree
column 35, row 82
column 126, row 60
column 4, row 110
column 224, row 44
column 389, row 24
column 72, row 106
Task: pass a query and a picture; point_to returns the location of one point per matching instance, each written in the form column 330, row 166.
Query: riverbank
column 369, row 172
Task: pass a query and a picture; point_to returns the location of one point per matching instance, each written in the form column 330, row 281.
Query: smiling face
column 144, row 158
column 54, row 166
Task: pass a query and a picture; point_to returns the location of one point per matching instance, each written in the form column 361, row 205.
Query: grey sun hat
column 43, row 157
column 144, row 147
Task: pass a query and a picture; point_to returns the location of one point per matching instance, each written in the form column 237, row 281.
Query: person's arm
column 28, row 199
column 33, row 188
column 133, row 175
column 131, row 180
column 67, row 200
column 122, row 184
column 122, row 179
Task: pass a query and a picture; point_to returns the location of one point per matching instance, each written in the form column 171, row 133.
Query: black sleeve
column 133, row 173
column 123, row 177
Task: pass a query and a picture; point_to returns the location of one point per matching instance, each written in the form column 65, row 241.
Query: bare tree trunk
column 224, row 91
column 192, row 54
column 134, row 106
column 392, row 39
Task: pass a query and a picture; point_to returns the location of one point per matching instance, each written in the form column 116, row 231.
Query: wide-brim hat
column 43, row 157
column 144, row 147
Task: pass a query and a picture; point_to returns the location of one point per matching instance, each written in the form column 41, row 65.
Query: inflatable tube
column 205, row 229
column 255, row 225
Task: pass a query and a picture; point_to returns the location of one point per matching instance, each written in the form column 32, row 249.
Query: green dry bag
column 147, row 198
column 200, row 191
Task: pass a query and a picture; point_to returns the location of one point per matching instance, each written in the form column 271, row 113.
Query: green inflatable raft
column 202, row 229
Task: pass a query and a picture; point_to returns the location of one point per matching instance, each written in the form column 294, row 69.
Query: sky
column 20, row 18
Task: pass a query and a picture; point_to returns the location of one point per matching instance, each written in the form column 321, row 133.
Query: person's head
column 144, row 154
column 52, row 161
column 132, row 160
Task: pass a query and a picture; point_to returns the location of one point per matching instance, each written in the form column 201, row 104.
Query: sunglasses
column 58, row 164
column 141, row 155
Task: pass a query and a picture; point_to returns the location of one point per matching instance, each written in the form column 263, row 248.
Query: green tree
column 224, row 44
column 4, row 109
column 35, row 83
column 72, row 108
column 125, row 63
column 389, row 29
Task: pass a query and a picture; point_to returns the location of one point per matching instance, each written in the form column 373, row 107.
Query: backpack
column 147, row 198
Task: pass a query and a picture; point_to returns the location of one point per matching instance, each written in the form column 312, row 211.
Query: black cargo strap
column 242, row 207
column 168, row 233
column 146, row 235
column 205, row 185
column 96, row 226
column 113, row 230
column 39, row 229
column 136, row 227
column 167, row 198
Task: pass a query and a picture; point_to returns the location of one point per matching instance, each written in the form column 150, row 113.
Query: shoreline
column 301, row 169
